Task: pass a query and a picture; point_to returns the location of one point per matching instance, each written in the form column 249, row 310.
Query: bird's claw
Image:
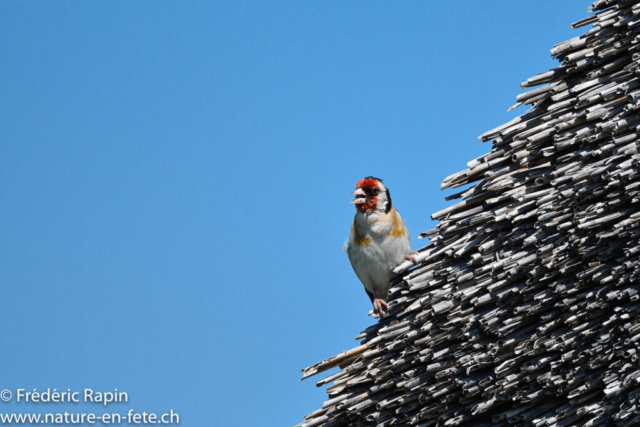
column 411, row 258
column 377, row 306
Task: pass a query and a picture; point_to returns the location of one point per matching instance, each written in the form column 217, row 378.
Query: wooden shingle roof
column 525, row 306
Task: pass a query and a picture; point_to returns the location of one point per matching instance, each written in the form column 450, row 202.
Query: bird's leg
column 378, row 304
column 411, row 257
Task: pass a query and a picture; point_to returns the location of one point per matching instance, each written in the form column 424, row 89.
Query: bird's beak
column 361, row 196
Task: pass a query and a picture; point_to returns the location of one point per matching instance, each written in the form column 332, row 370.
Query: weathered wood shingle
column 525, row 306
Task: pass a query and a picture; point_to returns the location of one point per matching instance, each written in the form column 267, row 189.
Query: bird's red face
column 367, row 191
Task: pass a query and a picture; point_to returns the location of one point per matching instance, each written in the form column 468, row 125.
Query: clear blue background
column 175, row 179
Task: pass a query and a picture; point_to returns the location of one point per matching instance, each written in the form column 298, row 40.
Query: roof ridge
column 523, row 307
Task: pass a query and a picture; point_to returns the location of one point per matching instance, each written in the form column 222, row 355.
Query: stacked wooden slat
column 525, row 307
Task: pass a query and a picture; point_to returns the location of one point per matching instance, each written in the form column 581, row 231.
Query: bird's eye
column 375, row 191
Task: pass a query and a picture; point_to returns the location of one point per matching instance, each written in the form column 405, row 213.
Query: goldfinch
column 379, row 240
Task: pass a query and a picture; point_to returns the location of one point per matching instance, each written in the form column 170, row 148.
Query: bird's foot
column 411, row 257
column 378, row 304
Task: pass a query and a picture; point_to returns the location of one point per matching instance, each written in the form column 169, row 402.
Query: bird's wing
column 370, row 294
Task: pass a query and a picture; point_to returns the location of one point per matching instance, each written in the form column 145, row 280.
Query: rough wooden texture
column 524, row 309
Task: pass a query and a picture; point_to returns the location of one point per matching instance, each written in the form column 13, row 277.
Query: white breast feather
column 372, row 263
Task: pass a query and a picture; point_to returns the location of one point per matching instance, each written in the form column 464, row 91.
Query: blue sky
column 175, row 180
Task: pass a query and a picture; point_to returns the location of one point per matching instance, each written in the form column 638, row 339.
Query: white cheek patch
column 382, row 196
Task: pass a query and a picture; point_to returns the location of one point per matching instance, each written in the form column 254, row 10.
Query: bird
column 378, row 242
